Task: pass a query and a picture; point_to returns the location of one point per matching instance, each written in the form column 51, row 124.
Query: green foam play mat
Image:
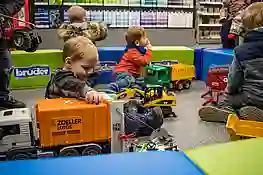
column 234, row 158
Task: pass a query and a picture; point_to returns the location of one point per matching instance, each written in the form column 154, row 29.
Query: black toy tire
column 187, row 84
column 32, row 49
column 21, row 156
column 173, row 115
column 23, row 45
column 18, row 44
column 92, row 149
column 179, row 86
column 69, row 152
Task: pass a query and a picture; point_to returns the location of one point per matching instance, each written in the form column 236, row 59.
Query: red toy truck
column 19, row 32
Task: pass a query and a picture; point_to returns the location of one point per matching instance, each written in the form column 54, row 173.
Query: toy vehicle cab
column 157, row 74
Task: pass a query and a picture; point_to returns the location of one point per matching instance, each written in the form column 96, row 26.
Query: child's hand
column 96, row 97
column 148, row 45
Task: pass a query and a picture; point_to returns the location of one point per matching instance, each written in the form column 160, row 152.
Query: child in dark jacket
column 80, row 58
column 244, row 93
column 137, row 54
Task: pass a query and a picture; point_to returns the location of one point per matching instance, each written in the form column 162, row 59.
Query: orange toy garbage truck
column 61, row 127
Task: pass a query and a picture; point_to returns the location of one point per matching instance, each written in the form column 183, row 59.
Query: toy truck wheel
column 92, row 149
column 20, row 156
column 18, row 40
column 69, row 152
column 179, row 86
column 22, row 41
column 32, row 49
column 187, row 84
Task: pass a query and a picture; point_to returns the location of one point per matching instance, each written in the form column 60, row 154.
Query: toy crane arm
column 11, row 7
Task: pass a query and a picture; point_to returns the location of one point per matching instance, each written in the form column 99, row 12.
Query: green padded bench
column 181, row 53
column 243, row 157
column 32, row 70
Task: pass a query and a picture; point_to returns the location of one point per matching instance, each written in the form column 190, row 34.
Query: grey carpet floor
column 187, row 128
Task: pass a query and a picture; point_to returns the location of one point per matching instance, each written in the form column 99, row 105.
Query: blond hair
column 76, row 14
column 135, row 34
column 78, row 47
column 252, row 17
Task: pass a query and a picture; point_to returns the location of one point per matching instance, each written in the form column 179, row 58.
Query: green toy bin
column 33, row 70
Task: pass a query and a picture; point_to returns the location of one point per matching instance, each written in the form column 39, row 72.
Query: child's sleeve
column 223, row 13
column 73, row 87
column 235, row 77
column 224, row 9
column 237, row 26
column 62, row 31
column 11, row 7
column 97, row 31
column 139, row 59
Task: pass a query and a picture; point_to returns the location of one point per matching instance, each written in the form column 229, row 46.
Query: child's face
column 82, row 68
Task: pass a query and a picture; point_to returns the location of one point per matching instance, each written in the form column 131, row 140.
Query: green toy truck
column 173, row 76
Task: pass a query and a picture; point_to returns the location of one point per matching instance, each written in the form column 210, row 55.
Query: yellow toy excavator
column 152, row 96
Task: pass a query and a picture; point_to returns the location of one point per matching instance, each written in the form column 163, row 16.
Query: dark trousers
column 5, row 71
column 233, row 102
column 226, row 42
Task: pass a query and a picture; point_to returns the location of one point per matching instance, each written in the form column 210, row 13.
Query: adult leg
column 226, row 42
column 229, row 105
column 6, row 101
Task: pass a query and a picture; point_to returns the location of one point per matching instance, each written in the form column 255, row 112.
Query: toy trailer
column 182, row 75
column 173, row 76
column 240, row 129
column 62, row 127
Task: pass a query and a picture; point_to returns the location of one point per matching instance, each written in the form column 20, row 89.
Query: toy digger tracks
column 239, row 129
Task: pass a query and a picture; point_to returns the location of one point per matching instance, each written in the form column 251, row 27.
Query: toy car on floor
column 240, row 129
column 70, row 127
column 152, row 96
column 216, row 84
column 170, row 74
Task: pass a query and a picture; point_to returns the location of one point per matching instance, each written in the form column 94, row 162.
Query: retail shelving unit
column 207, row 21
column 122, row 13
